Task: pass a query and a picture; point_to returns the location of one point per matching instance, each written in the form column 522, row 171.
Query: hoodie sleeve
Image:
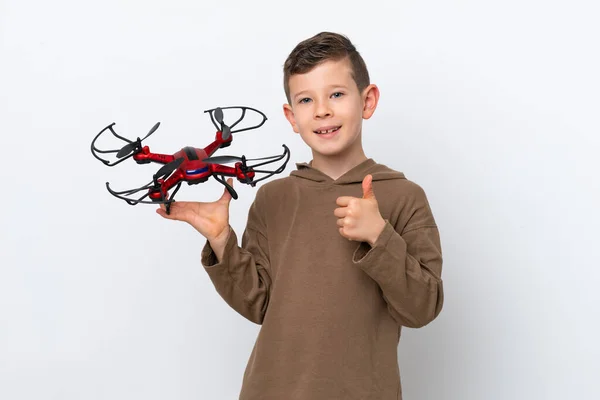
column 407, row 265
column 242, row 277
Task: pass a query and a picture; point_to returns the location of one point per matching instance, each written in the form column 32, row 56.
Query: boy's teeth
column 327, row 131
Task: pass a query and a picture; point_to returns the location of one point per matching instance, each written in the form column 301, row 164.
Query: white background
column 491, row 106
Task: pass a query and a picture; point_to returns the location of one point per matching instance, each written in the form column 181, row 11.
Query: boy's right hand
column 210, row 219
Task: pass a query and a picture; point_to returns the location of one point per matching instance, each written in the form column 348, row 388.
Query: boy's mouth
column 327, row 129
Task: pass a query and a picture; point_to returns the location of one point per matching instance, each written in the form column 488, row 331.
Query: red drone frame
column 190, row 164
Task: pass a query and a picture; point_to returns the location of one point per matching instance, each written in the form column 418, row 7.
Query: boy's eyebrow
column 335, row 86
column 300, row 94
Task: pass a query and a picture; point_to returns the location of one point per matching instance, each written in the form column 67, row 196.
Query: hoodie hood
column 379, row 172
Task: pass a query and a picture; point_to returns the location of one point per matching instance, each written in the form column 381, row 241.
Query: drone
column 190, row 164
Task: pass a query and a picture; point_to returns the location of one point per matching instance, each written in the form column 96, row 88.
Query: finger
column 341, row 222
column 348, row 222
column 367, row 186
column 344, row 200
column 163, row 213
column 341, row 230
column 175, row 212
column 226, row 196
column 340, row 212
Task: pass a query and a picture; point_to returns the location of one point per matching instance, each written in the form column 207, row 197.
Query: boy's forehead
column 322, row 76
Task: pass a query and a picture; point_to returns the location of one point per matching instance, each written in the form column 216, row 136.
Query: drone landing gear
column 155, row 190
column 230, row 189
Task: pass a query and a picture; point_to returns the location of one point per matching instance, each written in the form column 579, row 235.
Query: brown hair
column 324, row 46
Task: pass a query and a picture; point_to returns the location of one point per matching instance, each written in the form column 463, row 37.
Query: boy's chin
column 333, row 152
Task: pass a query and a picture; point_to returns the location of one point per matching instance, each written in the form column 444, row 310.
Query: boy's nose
column 322, row 110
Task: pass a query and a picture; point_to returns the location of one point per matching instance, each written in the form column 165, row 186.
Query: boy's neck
column 338, row 165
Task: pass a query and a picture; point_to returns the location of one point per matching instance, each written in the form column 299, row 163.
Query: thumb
column 226, row 197
column 175, row 211
column 367, row 186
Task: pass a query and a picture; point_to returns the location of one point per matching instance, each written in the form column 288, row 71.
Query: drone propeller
column 167, row 169
column 136, row 145
column 226, row 130
column 219, row 114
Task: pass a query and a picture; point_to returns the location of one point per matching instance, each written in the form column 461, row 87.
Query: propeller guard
column 243, row 108
column 280, row 169
column 136, row 145
column 155, row 190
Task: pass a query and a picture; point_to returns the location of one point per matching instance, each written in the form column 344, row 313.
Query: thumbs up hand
column 359, row 218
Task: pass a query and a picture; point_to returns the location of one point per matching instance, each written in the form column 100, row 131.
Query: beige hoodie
column 330, row 309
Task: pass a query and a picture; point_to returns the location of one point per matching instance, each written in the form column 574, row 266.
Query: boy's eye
column 337, row 94
column 304, row 100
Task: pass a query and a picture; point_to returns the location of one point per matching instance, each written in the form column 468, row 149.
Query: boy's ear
column 370, row 100
column 289, row 115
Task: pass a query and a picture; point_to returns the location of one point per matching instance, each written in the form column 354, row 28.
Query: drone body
column 190, row 164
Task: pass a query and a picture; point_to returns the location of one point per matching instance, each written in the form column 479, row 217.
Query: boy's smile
column 327, row 110
column 327, row 132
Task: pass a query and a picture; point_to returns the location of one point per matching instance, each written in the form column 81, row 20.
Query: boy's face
column 327, row 109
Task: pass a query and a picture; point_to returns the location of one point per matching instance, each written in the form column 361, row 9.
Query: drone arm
column 218, row 169
column 145, row 156
column 217, row 144
column 172, row 181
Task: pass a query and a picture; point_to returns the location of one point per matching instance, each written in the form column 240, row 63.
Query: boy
column 336, row 257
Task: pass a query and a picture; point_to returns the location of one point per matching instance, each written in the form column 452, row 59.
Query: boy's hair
column 324, row 46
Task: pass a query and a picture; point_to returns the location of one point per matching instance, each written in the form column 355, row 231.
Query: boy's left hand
column 359, row 218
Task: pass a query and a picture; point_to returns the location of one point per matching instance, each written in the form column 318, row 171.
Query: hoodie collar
column 355, row 175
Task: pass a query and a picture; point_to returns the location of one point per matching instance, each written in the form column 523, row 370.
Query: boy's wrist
column 377, row 232
column 219, row 242
column 221, row 237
